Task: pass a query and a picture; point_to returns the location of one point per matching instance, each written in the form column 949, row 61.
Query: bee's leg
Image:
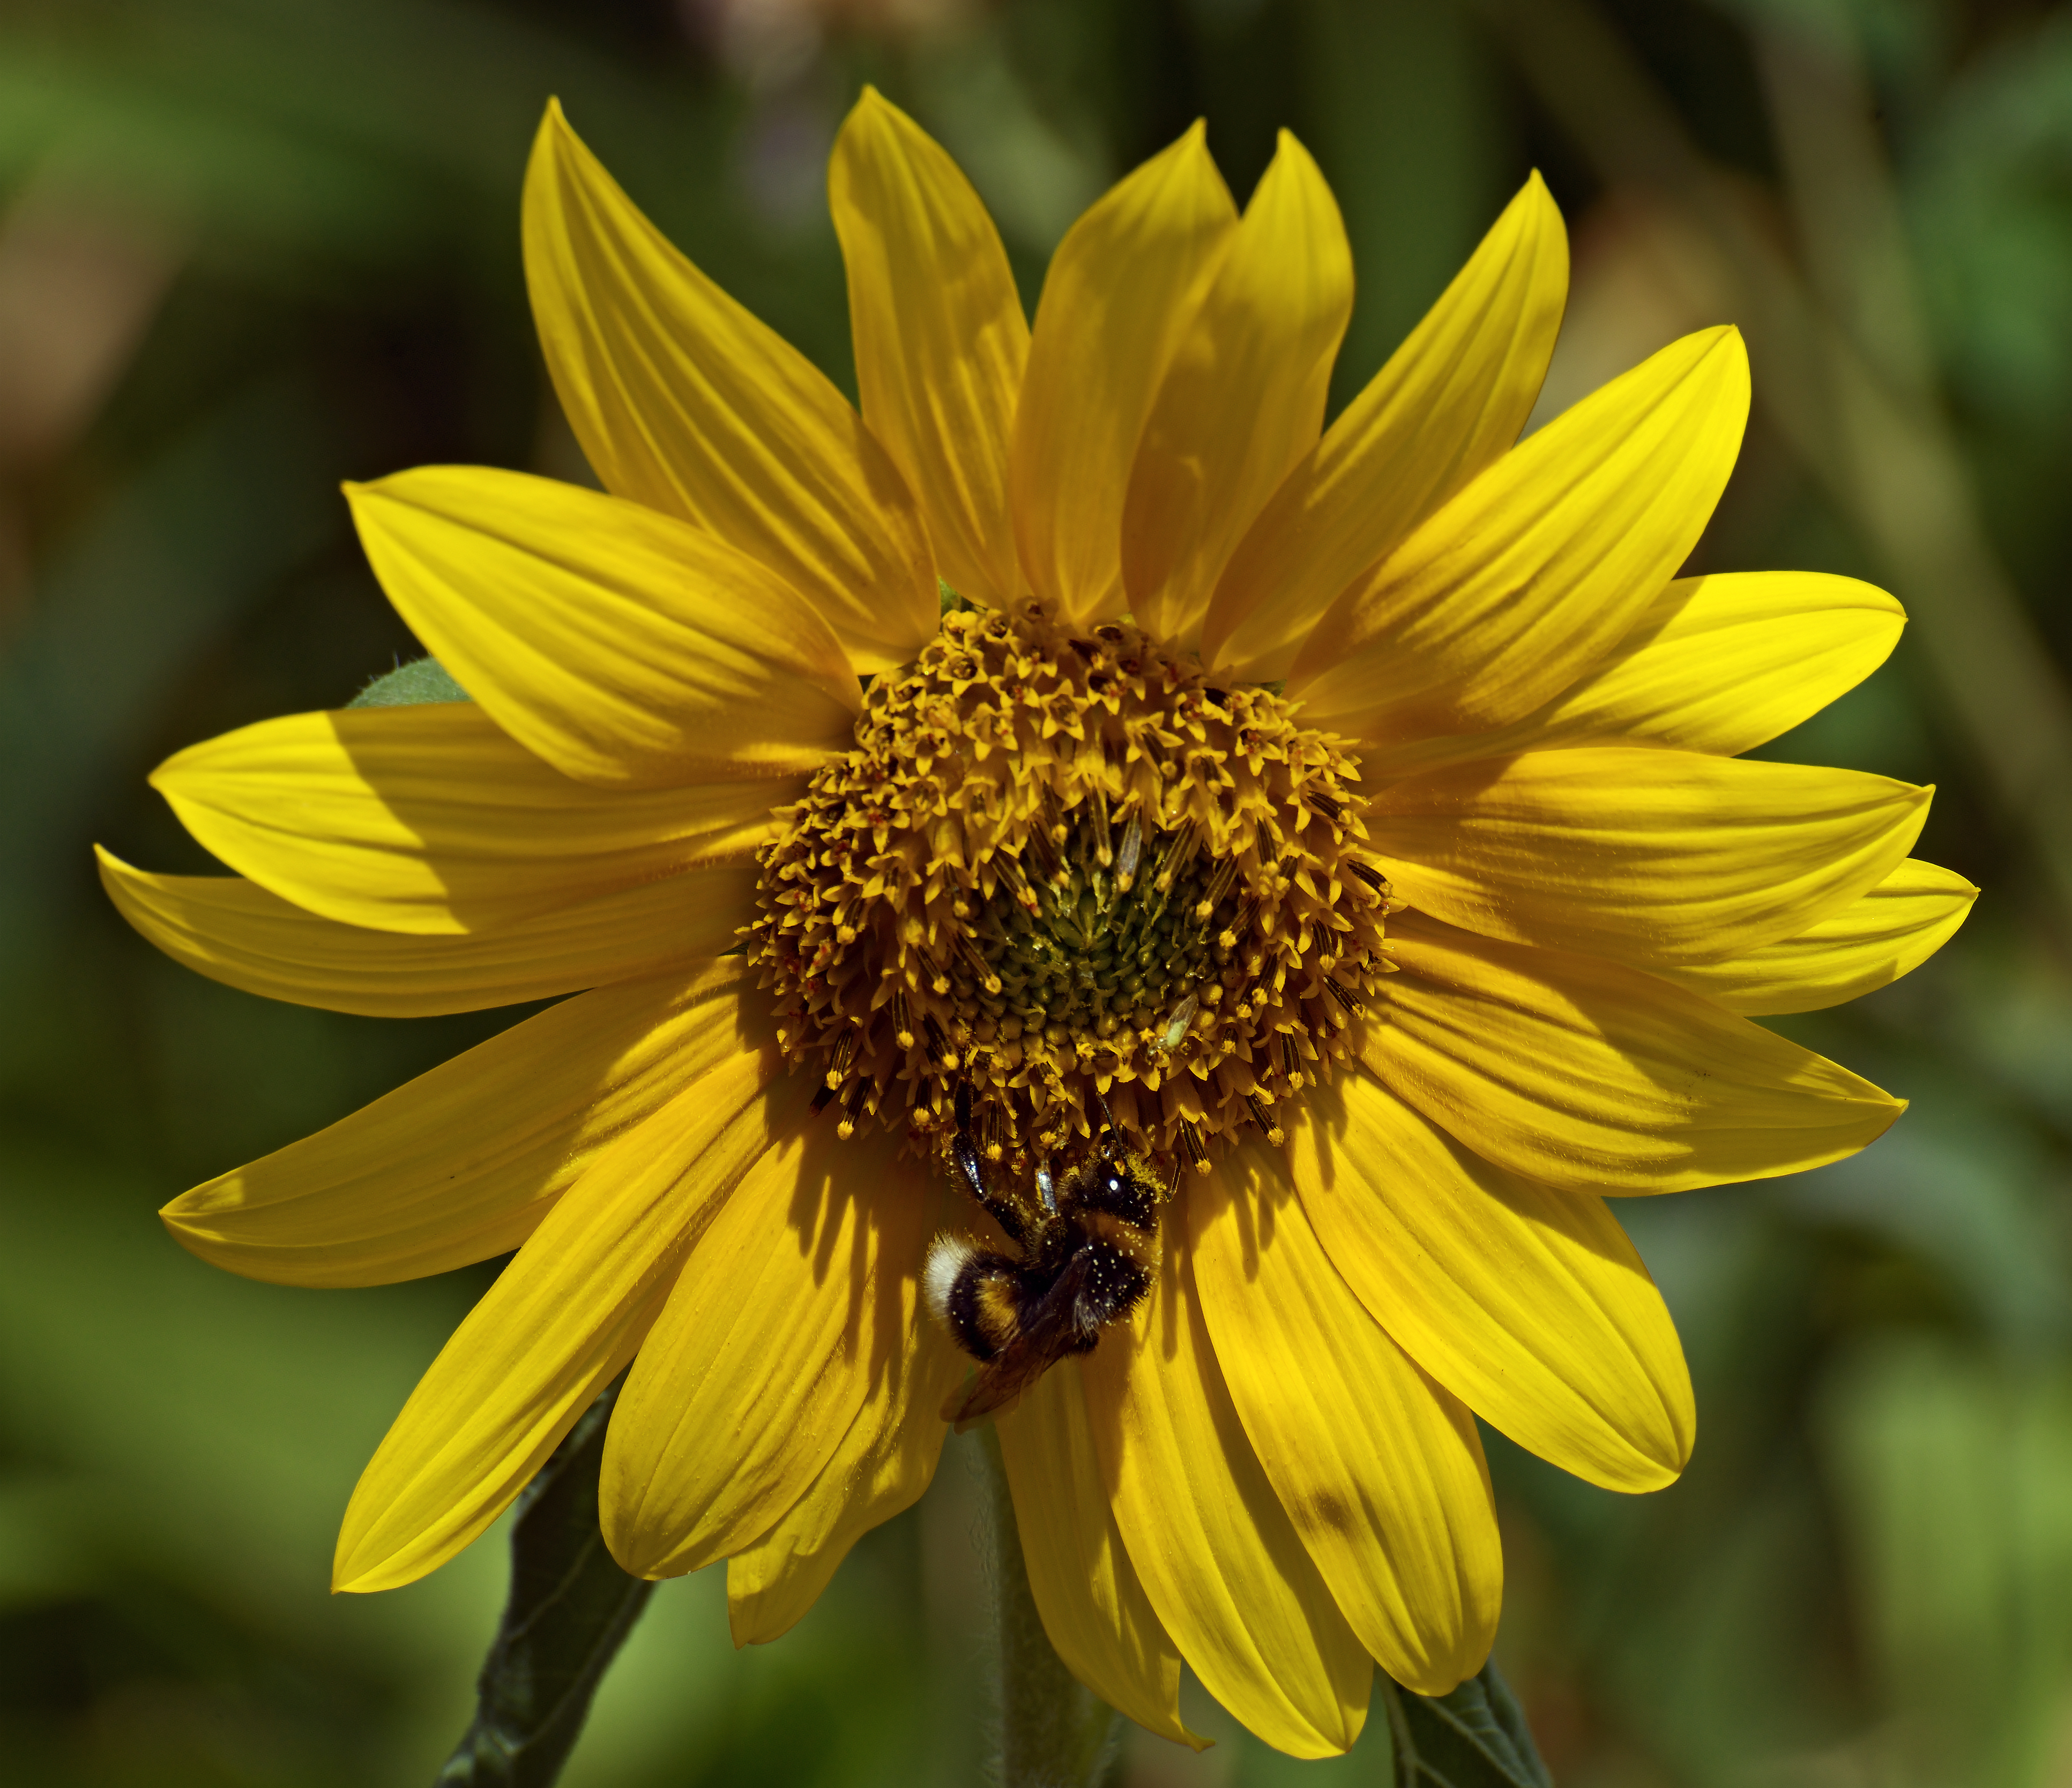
column 1005, row 1211
column 1100, row 1284
column 963, row 1151
column 1105, row 1286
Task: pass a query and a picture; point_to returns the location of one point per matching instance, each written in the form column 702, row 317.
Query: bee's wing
column 1049, row 1337
column 998, row 1384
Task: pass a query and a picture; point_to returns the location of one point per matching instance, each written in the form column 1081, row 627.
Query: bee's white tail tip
column 946, row 1255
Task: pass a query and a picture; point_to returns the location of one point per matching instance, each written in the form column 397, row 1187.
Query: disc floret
column 1060, row 867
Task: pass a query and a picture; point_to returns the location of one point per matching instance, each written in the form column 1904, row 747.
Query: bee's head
column 1122, row 1185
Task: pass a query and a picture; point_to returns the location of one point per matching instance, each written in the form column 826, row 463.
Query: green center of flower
column 1106, row 932
column 1061, row 870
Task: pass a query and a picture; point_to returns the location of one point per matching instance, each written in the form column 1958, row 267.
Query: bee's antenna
column 1111, row 1132
column 963, row 1106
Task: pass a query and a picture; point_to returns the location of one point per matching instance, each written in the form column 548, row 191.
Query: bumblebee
column 1085, row 1230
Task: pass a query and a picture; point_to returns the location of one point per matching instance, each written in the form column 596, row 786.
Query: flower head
column 1210, row 903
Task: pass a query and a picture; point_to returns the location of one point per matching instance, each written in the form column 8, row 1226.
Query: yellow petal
column 462, row 1164
column 685, row 402
column 1594, row 1078
column 622, row 646
column 1722, row 664
column 795, row 1309
column 881, row 1467
column 1221, row 1562
column 1121, row 289
column 1888, row 933
column 940, row 338
column 1645, row 855
column 1449, row 402
column 1528, row 1304
column 1535, row 571
column 432, row 818
column 1088, row 1593
column 1380, row 1469
column 561, row 1321
column 235, row 932
column 1243, row 398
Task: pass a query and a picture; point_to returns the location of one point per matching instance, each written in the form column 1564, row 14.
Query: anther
column 1332, row 810
column 1345, row 996
column 1051, row 822
column 1247, row 915
column 1275, row 1134
column 1175, row 856
column 1372, row 877
column 1291, row 1061
column 939, row 1051
column 977, row 964
column 903, row 1020
column 1009, row 872
column 1190, row 1140
column 1044, row 867
column 854, row 1108
column 1220, row 885
column 1127, row 857
column 845, row 1054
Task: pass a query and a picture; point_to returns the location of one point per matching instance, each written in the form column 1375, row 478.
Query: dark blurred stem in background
column 1840, row 362
column 1053, row 1732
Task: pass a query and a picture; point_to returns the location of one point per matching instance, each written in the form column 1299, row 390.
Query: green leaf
column 420, row 680
column 1475, row 1737
column 571, row 1607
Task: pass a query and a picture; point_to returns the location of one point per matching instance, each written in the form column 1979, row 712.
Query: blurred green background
column 248, row 247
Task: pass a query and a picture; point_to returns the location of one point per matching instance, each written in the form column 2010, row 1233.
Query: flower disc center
column 1059, row 869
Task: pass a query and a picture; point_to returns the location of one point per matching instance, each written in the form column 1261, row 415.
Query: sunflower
column 1079, row 769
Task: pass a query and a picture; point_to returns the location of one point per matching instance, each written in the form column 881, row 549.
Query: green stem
column 1054, row 1731
column 570, row 1608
